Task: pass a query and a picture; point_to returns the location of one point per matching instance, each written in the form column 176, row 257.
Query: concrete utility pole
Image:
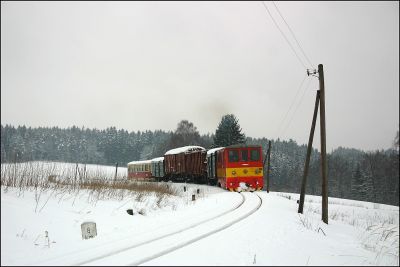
column 309, row 147
column 323, row 145
column 268, row 163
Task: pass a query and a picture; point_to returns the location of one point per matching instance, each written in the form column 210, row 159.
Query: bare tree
column 185, row 134
column 396, row 141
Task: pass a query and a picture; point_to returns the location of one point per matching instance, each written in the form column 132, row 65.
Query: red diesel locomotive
column 240, row 168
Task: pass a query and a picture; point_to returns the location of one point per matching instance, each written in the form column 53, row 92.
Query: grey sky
column 148, row 65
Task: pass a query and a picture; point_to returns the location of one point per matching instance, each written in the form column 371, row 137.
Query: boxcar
column 186, row 164
column 240, row 167
column 140, row 170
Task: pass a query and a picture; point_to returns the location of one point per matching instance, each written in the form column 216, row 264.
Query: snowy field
column 358, row 233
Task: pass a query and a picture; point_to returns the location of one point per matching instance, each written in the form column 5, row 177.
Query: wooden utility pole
column 323, row 145
column 268, row 163
column 309, row 147
column 321, row 100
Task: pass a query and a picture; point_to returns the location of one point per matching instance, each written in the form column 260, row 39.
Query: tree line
column 352, row 173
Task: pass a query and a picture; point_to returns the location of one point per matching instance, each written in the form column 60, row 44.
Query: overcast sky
column 148, row 65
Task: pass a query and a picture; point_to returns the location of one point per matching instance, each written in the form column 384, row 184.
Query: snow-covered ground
column 358, row 233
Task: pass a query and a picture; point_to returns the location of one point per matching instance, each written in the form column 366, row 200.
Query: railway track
column 114, row 247
column 152, row 249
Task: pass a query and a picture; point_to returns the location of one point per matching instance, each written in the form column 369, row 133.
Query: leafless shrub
column 139, row 196
column 383, row 239
column 308, row 223
column 305, row 222
column 334, row 215
column 64, row 181
column 160, row 198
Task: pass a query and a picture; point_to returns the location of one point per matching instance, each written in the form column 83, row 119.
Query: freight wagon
column 186, row 164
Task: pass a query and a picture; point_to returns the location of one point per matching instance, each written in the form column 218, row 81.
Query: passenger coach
column 140, row 170
column 157, row 168
column 211, row 165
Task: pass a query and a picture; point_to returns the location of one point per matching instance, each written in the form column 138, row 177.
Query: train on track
column 235, row 168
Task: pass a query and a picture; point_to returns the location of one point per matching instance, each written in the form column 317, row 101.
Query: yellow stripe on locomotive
column 244, row 172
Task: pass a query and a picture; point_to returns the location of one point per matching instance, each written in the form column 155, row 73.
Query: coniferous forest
column 352, row 173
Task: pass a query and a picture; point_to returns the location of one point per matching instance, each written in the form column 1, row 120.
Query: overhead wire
column 291, row 46
column 299, row 59
column 291, row 105
column 298, row 104
column 294, row 36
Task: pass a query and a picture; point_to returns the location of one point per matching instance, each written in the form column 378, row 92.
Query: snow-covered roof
column 139, row 162
column 184, row 149
column 157, row 159
column 214, row 149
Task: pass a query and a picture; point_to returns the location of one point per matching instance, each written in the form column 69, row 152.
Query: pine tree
column 359, row 182
column 229, row 132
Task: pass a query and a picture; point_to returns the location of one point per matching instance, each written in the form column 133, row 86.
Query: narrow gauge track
column 83, row 253
column 141, row 253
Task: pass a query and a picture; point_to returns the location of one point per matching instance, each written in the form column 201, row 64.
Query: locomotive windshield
column 233, row 156
column 254, row 155
column 244, row 155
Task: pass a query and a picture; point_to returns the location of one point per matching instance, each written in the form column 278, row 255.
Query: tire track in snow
column 161, row 246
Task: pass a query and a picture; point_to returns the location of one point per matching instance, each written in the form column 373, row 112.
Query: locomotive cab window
column 233, row 155
column 254, row 155
column 244, row 155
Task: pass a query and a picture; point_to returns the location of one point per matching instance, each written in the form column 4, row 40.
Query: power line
column 298, row 104
column 293, row 34
column 291, row 105
column 284, row 35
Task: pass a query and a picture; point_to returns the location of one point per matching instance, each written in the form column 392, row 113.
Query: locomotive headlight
column 257, row 171
column 233, row 172
column 245, row 171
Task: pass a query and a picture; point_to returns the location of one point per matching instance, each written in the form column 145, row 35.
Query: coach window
column 233, row 156
column 244, row 155
column 254, row 155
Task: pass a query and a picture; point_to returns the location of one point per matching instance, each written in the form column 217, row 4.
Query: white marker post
column 88, row 230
